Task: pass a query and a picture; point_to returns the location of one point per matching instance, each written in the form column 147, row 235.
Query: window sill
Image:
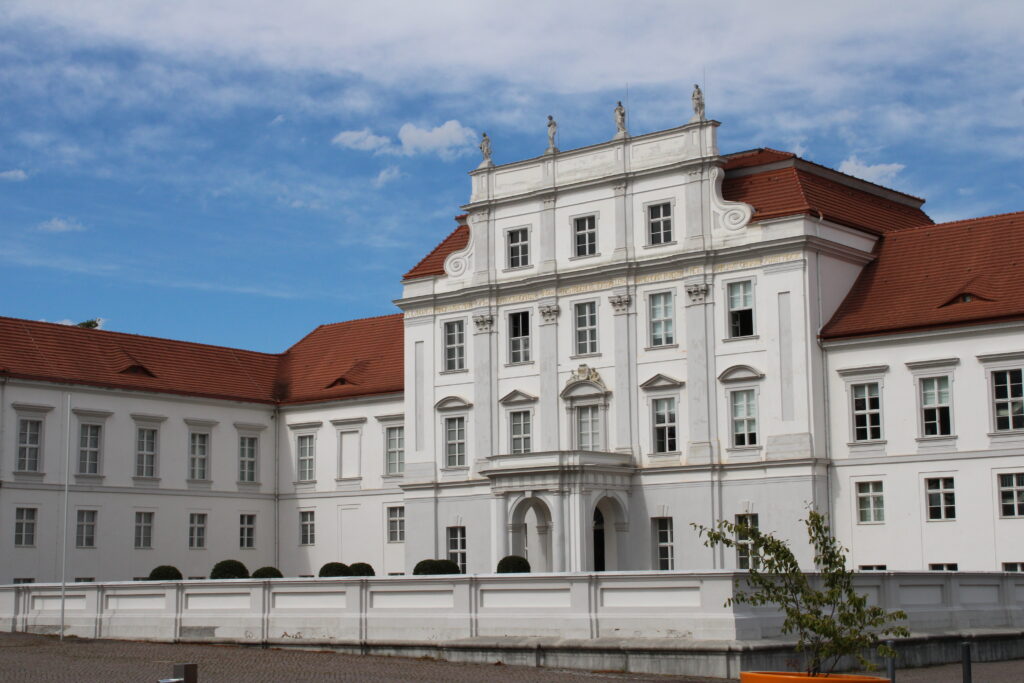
column 870, row 523
column 874, row 443
column 29, row 547
column 748, row 337
column 145, row 481
column 28, row 474
column 939, row 521
column 742, row 449
column 941, row 437
column 515, row 269
column 454, row 372
column 248, row 484
column 393, row 475
column 596, row 354
column 456, row 468
column 1007, row 435
column 89, row 477
column 662, row 346
column 664, row 454
column 659, row 244
column 305, row 483
column 518, row 363
column 580, row 257
column 198, row 483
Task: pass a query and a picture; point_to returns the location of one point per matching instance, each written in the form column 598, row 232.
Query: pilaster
column 701, row 390
column 625, row 364
column 547, row 429
column 546, row 238
column 485, row 368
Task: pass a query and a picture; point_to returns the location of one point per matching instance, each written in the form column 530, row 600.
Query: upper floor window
column 306, row 447
column 586, row 327
column 664, row 543
column 662, row 319
column 1008, row 397
column 395, row 437
column 585, row 231
column 588, row 428
column 867, row 412
column 518, row 247
column 29, row 440
column 745, row 555
column 198, row 456
column 935, row 407
column 1011, row 494
column 85, row 530
column 247, row 451
column 520, row 430
column 396, row 524
column 25, row 526
column 870, row 502
column 89, row 448
column 144, row 530
column 457, row 546
column 455, row 345
column 743, row 410
column 455, row 441
column 741, row 309
column 664, row 410
column 145, row 452
column 659, row 223
column 941, row 498
column 519, row 337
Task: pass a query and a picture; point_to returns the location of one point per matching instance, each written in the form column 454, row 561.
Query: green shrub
column 513, row 564
column 165, row 572
column 229, row 569
column 267, row 573
column 361, row 569
column 432, row 567
column 335, row 569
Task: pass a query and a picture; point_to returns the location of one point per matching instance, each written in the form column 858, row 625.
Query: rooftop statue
column 485, row 150
column 552, row 129
column 620, row 121
column 697, row 98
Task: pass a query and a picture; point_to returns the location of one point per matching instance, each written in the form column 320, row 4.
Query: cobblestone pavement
column 44, row 658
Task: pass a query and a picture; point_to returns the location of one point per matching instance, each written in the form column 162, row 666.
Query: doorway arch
column 530, row 533
column 607, row 547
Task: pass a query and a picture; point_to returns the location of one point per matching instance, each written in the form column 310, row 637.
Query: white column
column 700, row 388
column 547, row 429
column 625, row 375
column 499, row 515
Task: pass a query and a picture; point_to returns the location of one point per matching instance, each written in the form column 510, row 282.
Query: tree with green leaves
column 830, row 619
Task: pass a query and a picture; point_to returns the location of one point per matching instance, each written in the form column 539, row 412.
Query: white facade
column 617, row 353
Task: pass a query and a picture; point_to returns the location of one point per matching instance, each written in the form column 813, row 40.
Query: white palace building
column 615, row 342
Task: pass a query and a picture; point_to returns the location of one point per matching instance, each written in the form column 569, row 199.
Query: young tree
column 829, row 617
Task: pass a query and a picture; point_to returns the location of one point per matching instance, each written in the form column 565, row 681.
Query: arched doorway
column 609, row 527
column 530, row 533
column 598, row 541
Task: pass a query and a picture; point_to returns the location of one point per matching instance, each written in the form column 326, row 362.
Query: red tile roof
column 433, row 263
column 920, row 276
column 755, row 157
column 366, row 355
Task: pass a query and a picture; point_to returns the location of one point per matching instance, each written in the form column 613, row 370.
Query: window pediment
column 452, row 403
column 740, row 373
column 660, row 381
column 516, row 397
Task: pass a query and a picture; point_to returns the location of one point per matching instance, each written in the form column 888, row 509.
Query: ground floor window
column 457, row 546
column 746, row 558
column 664, row 543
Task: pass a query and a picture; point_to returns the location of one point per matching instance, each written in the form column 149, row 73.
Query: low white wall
column 687, row 605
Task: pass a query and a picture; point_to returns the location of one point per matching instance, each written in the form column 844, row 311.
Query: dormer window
column 137, row 369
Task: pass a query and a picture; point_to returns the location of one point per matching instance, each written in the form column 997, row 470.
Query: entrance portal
column 530, row 529
column 598, row 541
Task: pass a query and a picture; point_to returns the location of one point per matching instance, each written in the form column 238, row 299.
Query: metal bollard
column 890, row 663
column 965, row 658
column 183, row 673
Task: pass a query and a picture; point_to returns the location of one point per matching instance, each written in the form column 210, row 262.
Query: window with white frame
column 395, row 455
column 943, row 567
column 198, row 456
column 25, row 526
column 588, row 428
column 22, row 580
column 664, row 547
column 741, row 309
column 246, row 530
column 1013, row 566
column 518, row 247
column 746, row 558
column 664, row 418
column 248, row 451
column 455, row 345
column 520, row 431
column 396, row 524
column 662, row 320
column 197, row 530
column 1008, row 399
column 85, row 529
column 1011, row 494
column 519, row 337
column 30, row 433
column 457, row 546
column 145, row 452
column 941, row 498
column 89, row 448
column 455, row 441
column 872, row 568
column 870, row 502
column 585, row 232
column 585, row 318
column 936, row 419
column 305, row 446
column 659, row 223
column 743, row 412
column 144, row 530
column 307, row 527
column 867, row 412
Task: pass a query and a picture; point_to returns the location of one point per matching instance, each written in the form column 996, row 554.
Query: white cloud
column 386, row 176
column 448, row 140
column 60, row 225
column 363, row 140
column 279, row 119
column 883, row 174
column 14, row 175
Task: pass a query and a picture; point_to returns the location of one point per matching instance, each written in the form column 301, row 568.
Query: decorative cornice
column 863, row 370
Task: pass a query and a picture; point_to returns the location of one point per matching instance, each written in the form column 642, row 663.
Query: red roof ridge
column 959, row 222
column 428, row 265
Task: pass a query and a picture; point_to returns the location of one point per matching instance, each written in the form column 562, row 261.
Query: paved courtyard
column 44, row 658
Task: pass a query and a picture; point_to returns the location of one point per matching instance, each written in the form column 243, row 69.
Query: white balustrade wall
column 441, row 609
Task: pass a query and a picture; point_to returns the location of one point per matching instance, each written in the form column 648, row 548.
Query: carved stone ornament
column 550, row 312
column 485, row 151
column 552, row 132
column 697, row 292
column 620, row 302
column 585, row 373
column 697, row 99
column 484, row 322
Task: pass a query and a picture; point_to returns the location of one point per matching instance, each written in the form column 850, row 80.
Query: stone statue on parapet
column 697, row 98
column 552, row 129
column 620, row 121
column 485, row 150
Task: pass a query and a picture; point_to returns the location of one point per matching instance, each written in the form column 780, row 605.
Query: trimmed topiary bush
column 229, row 569
column 267, row 573
column 361, row 569
column 433, row 567
column 513, row 564
column 335, row 569
column 165, row 572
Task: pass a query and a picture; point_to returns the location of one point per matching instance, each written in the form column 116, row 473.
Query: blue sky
column 238, row 172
